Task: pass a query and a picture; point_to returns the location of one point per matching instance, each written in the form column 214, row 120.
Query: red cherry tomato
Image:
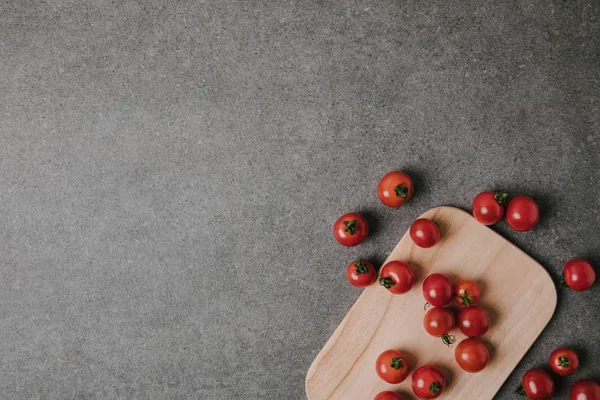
column 564, row 361
column 585, row 389
column 351, row 229
column 428, row 382
column 437, row 290
column 391, row 366
column 473, row 321
column 579, row 274
column 438, row 322
column 488, row 207
column 471, row 355
column 538, row 385
column 466, row 292
column 522, row 213
column 424, row 233
column 395, row 189
column 361, row 273
column 397, row 277
column 388, row 395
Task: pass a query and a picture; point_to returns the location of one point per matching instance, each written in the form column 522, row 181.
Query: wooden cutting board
column 517, row 292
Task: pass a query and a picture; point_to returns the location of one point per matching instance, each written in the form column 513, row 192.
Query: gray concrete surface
column 170, row 172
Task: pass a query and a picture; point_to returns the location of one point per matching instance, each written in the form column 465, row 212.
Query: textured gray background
column 170, row 172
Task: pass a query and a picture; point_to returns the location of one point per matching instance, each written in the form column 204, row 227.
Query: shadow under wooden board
column 516, row 291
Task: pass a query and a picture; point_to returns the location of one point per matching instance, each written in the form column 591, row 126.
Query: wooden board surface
column 518, row 293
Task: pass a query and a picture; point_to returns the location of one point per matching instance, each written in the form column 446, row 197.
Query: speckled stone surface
column 170, row 172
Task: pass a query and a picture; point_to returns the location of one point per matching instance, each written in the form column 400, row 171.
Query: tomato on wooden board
column 537, row 385
column 564, row 361
column 488, row 207
column 388, row 395
column 425, row 233
column 471, row 355
column 437, row 290
column 397, row 277
column 428, row 382
column 473, row 321
column 522, row 213
column 351, row 229
column 392, row 367
column 361, row 273
column 438, row 322
column 585, row 389
column 395, row 189
column 579, row 274
column 466, row 292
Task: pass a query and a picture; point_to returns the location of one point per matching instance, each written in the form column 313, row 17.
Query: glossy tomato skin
column 488, row 207
column 425, row 233
column 351, row 229
column 437, row 290
column 395, row 189
column 397, row 277
column 538, row 385
column 579, row 274
column 388, row 395
column 471, row 355
column 522, row 213
column 428, row 382
column 585, row 389
column 438, row 322
column 466, row 292
column 361, row 273
column 564, row 361
column 392, row 367
column 473, row 321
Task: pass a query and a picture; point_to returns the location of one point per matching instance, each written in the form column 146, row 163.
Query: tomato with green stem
column 578, row 274
column 585, row 389
column 395, row 189
column 361, row 273
column 537, row 385
column 437, row 290
column 471, row 355
column 488, row 207
column 438, row 322
column 564, row 361
column 466, row 292
column 397, row 277
column 473, row 321
column 424, row 233
column 351, row 229
column 391, row 366
column 428, row 382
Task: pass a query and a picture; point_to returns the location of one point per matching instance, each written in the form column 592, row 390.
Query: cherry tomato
column 471, row 355
column 395, row 189
column 437, row 290
column 488, row 207
column 425, row 233
column 466, row 292
column 397, row 277
column 361, row 273
column 438, row 322
column 564, row 361
column 473, row 321
column 428, row 382
column 351, row 229
column 522, row 213
column 579, row 274
column 585, row 389
column 537, row 385
column 391, row 366
column 388, row 395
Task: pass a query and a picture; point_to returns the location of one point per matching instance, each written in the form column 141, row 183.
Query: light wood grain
column 517, row 292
